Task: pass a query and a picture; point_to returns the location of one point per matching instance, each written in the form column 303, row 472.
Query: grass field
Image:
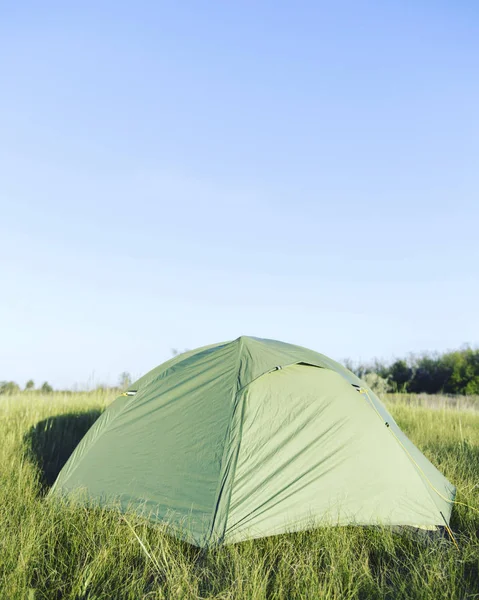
column 53, row 552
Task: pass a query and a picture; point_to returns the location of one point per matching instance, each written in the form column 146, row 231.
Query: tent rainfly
column 253, row 438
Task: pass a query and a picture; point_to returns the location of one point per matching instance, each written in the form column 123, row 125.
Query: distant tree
column 400, row 374
column 177, row 352
column 463, row 366
column 360, row 370
column 431, row 373
column 30, row 385
column 9, row 387
column 124, row 380
column 380, row 368
column 46, row 388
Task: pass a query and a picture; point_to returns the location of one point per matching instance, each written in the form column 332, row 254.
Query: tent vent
column 278, row 368
column 131, row 392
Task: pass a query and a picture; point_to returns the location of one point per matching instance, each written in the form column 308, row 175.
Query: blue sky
column 176, row 174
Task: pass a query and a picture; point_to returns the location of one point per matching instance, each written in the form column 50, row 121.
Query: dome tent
column 252, row 438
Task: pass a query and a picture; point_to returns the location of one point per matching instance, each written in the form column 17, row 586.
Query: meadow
column 51, row 551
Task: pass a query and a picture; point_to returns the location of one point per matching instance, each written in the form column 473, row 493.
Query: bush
column 378, row 384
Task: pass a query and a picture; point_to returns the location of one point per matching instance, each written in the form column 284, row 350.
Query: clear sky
column 176, row 174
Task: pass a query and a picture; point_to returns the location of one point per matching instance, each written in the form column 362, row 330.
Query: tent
column 253, row 438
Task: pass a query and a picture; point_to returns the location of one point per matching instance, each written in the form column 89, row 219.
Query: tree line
column 454, row 372
column 11, row 387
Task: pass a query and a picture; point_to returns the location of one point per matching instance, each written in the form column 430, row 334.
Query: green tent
column 252, row 438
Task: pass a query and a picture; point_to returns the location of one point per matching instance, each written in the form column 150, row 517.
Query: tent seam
column 229, row 491
column 221, row 484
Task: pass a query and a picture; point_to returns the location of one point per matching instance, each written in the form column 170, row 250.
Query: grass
column 54, row 552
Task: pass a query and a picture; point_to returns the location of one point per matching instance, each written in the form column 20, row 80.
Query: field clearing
column 49, row 551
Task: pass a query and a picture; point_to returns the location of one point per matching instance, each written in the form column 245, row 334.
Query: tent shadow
column 50, row 442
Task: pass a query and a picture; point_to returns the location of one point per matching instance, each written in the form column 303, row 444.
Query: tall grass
column 53, row 551
column 463, row 403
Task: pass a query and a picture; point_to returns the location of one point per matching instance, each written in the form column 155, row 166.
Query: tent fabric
column 253, row 438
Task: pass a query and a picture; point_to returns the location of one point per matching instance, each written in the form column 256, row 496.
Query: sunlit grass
column 54, row 551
